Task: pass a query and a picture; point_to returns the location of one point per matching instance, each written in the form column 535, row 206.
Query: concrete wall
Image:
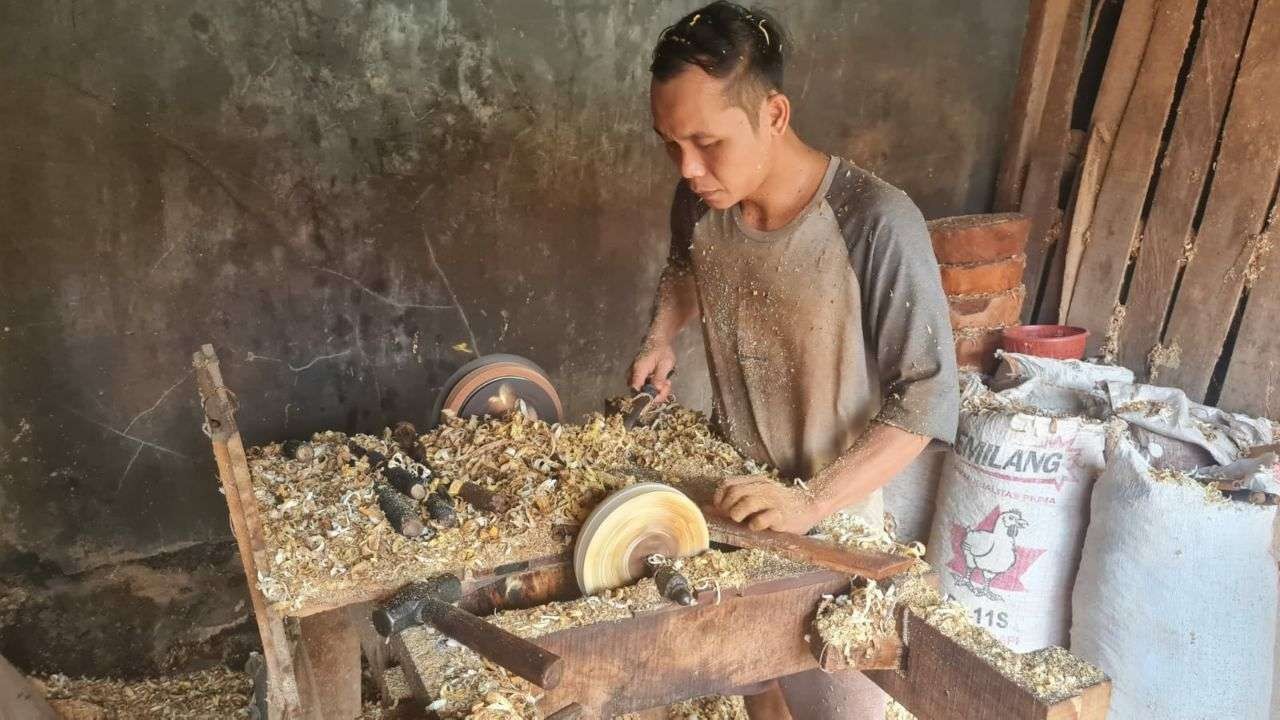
column 349, row 198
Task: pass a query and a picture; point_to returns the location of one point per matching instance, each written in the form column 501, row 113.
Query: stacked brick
column 981, row 259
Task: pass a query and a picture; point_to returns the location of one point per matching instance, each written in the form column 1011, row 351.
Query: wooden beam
column 329, row 665
column 1253, row 378
column 1186, row 168
column 1243, row 187
column 943, row 680
column 1048, row 160
column 1046, row 21
column 1117, row 217
column 374, row 649
column 19, row 699
column 219, row 409
column 753, row 634
column 1121, row 71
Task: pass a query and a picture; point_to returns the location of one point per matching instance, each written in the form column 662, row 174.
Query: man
column 825, row 324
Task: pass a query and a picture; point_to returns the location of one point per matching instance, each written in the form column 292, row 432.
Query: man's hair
column 728, row 41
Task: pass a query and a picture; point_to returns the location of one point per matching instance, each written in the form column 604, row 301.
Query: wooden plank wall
column 1161, row 238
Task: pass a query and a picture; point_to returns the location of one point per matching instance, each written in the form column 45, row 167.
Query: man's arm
column 676, row 302
column 879, row 454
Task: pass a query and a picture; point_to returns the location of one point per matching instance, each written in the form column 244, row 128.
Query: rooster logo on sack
column 989, row 551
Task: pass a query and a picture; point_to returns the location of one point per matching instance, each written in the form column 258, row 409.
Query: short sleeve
column 905, row 315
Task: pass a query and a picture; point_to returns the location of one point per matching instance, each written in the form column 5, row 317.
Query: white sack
column 1012, row 508
column 1176, row 597
column 1067, row 373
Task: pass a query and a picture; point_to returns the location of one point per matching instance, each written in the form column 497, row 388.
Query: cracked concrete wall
column 349, row 198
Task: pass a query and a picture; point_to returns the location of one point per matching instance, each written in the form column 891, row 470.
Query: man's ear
column 777, row 113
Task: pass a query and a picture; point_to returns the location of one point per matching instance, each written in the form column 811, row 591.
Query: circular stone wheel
column 490, row 385
column 630, row 525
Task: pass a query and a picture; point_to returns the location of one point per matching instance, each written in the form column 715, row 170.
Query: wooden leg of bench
column 376, row 650
column 329, row 665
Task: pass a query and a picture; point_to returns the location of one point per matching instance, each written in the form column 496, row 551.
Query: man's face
column 712, row 142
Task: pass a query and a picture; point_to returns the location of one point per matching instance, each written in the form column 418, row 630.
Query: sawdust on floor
column 217, row 694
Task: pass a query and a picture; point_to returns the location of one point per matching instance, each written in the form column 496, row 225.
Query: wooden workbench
column 758, row 632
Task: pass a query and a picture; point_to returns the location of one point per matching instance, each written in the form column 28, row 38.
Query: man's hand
column 653, row 364
column 761, row 503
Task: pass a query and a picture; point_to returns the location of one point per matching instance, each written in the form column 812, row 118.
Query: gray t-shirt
column 819, row 328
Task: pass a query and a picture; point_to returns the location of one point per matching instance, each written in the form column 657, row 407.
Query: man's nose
column 691, row 166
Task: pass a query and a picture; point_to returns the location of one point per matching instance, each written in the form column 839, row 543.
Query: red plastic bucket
column 1063, row 342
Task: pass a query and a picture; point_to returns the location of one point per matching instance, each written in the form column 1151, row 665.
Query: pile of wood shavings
column 206, row 695
column 854, row 624
column 1212, row 495
column 712, row 707
column 326, row 535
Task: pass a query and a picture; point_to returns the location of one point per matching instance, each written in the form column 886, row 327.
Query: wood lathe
column 508, row 625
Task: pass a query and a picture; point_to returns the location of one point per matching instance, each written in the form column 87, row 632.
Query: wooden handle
column 870, row 564
column 572, row 711
column 538, row 666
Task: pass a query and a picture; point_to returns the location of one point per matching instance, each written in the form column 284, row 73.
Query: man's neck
column 793, row 180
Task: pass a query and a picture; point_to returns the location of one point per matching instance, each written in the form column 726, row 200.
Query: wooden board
column 1239, row 199
column 329, row 666
column 219, row 408
column 676, row 652
column 1048, row 159
column 869, row 564
column 1117, row 216
column 1184, row 172
column 1046, row 21
column 1253, row 380
column 973, row 689
column 19, row 699
column 1128, row 45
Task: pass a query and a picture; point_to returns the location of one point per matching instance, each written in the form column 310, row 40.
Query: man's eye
column 708, row 143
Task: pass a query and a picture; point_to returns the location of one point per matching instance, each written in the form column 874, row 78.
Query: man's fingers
column 765, row 520
column 721, row 498
column 748, row 506
column 640, row 370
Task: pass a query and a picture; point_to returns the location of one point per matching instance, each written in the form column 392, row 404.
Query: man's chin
column 719, row 200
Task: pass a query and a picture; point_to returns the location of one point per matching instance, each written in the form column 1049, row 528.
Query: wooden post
column 329, row 680
column 1235, row 214
column 19, row 699
column 1117, row 218
column 219, row 408
column 1048, row 158
column 1045, row 24
column 1186, row 167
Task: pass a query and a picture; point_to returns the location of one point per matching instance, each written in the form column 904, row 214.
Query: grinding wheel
column 492, row 384
column 630, row 525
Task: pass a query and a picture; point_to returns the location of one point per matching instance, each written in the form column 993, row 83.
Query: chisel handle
column 514, row 653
